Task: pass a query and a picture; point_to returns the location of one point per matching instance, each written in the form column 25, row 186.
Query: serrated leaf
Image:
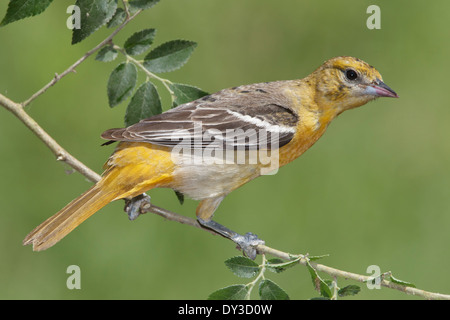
column 20, row 9
column 275, row 261
column 274, row 265
column 139, row 41
column 269, row 290
column 325, row 290
column 169, row 56
column 314, row 258
column 106, row 54
column 349, row 290
column 185, row 93
column 234, row 292
column 144, row 104
column 142, row 4
column 277, row 265
column 121, row 83
column 117, row 19
column 401, row 282
column 94, row 14
column 318, row 282
column 242, row 266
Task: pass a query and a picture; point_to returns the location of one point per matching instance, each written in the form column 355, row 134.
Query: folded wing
column 247, row 117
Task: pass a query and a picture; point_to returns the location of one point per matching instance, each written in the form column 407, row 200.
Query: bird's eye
column 351, row 74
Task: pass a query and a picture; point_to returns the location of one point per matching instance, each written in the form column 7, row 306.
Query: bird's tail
column 59, row 225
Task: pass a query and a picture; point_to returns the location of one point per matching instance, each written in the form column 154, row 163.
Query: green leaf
column 185, row 93
column 20, row 9
column 350, row 290
column 242, row 266
column 94, row 14
column 139, row 41
column 314, row 258
column 169, row 56
column 142, row 4
column 121, row 83
column 234, row 292
column 144, row 104
column 106, row 54
column 401, row 282
column 318, row 283
column 277, row 265
column 117, row 18
column 269, row 290
column 325, row 290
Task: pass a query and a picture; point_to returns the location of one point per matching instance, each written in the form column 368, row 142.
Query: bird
column 207, row 148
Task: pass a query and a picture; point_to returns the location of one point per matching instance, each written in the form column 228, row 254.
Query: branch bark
column 354, row 276
column 60, row 153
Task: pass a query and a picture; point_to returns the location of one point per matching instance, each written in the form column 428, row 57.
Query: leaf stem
column 335, row 288
column 127, row 10
column 262, row 270
column 149, row 74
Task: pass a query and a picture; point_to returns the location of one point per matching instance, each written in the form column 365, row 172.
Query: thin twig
column 127, row 10
column 262, row 249
column 58, row 77
column 60, row 153
column 172, row 216
column 353, row 276
column 251, row 285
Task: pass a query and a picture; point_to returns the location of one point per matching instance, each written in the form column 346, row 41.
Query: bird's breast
column 311, row 127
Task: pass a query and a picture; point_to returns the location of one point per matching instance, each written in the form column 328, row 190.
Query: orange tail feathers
column 59, row 225
column 134, row 168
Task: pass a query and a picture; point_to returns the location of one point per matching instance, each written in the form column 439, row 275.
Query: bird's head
column 344, row 83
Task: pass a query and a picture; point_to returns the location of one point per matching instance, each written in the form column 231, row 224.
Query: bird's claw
column 248, row 243
column 137, row 206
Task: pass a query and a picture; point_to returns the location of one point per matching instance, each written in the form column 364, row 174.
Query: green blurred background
column 373, row 191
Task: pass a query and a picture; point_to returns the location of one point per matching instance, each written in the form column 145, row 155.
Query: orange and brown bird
column 209, row 147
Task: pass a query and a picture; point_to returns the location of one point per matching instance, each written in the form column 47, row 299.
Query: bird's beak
column 380, row 89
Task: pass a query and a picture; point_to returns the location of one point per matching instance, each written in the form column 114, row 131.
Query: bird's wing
column 249, row 117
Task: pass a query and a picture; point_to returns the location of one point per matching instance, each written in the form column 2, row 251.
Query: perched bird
column 203, row 148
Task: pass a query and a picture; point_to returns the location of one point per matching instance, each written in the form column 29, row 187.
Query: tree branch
column 62, row 155
column 353, row 276
column 58, row 77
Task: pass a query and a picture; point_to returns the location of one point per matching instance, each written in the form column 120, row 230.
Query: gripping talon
column 135, row 206
column 248, row 243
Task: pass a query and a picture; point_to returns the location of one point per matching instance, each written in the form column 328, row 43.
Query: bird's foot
column 137, row 206
column 248, row 243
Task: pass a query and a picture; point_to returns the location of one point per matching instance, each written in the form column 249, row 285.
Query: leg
column 134, row 206
column 247, row 242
